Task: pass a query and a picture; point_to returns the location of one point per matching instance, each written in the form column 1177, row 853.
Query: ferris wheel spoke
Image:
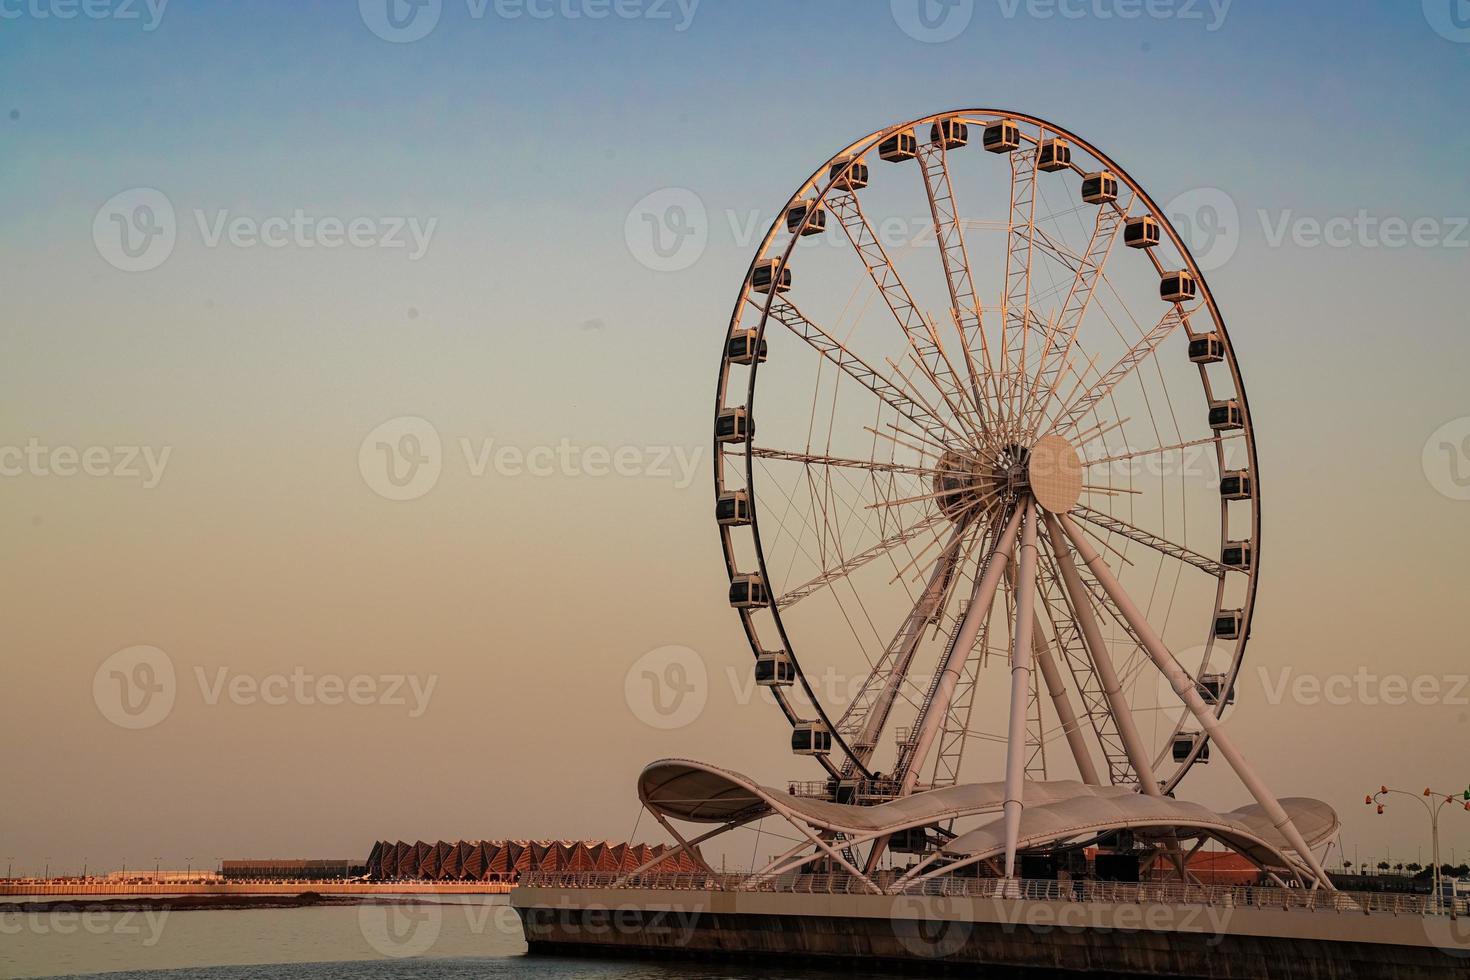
column 1088, row 272
column 1131, row 455
column 954, row 255
column 1020, row 239
column 1162, row 545
column 1073, row 414
column 855, row 367
column 890, row 285
column 853, row 563
column 816, row 459
column 867, row 715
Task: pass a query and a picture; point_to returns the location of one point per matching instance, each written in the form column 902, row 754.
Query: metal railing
column 1112, row 892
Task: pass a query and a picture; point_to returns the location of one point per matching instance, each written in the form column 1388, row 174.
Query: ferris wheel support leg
column 1021, row 656
column 980, row 602
column 1184, row 688
column 1097, row 649
column 1056, row 686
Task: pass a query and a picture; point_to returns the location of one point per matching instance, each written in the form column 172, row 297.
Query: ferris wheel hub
column 1054, row 474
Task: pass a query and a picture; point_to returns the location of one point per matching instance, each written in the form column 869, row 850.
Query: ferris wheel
column 985, row 472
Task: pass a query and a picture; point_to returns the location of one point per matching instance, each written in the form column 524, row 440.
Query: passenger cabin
column 1236, row 485
column 763, row 278
column 1178, row 287
column 775, row 668
column 1209, row 349
column 732, row 509
column 748, row 591
column 1215, row 689
column 1237, row 555
column 1141, row 231
column 848, row 174
column 1226, row 415
column 1053, row 155
column 949, row 133
column 811, row 738
column 746, row 347
column 1184, row 744
column 797, row 221
column 914, row 840
column 1227, row 624
column 899, row 147
column 1100, row 188
column 1002, row 137
column 733, row 425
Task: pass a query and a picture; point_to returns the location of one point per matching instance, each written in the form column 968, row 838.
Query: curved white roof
column 1084, row 817
column 1055, row 811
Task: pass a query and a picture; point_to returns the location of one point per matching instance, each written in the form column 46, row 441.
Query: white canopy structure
column 1058, row 814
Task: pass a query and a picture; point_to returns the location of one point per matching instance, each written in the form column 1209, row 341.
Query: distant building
column 163, row 877
column 506, row 860
column 281, row 869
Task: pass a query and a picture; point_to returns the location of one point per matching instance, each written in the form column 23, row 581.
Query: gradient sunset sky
column 519, row 146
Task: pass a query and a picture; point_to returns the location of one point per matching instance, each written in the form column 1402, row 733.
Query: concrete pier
column 1008, row 937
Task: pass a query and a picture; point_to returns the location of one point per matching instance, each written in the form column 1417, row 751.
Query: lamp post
column 1427, row 798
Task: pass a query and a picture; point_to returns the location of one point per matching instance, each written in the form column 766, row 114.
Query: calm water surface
column 451, row 937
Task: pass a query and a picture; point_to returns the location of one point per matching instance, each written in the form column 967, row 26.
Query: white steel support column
column 1021, row 656
column 1185, row 688
column 1056, row 686
column 1102, row 663
column 981, row 600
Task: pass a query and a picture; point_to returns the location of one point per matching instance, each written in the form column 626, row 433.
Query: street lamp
column 1426, row 798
